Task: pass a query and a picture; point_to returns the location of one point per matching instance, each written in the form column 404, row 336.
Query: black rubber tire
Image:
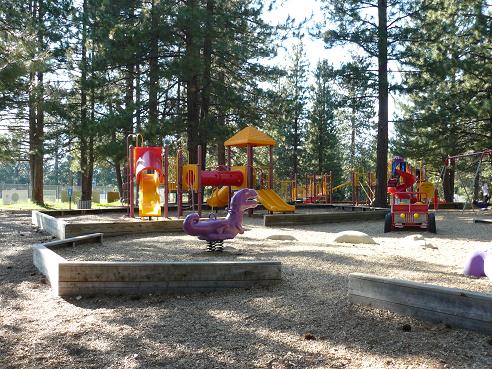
column 431, row 227
column 388, row 220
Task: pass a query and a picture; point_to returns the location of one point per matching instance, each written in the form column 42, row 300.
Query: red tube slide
column 148, row 158
column 222, row 178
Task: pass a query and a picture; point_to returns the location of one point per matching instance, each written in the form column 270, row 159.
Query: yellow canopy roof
column 250, row 136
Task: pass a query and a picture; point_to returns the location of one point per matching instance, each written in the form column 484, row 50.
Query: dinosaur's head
column 244, row 199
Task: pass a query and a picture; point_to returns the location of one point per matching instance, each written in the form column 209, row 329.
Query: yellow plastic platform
column 273, row 202
column 149, row 201
column 219, row 198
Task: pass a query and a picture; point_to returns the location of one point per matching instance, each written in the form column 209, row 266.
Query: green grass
column 49, row 205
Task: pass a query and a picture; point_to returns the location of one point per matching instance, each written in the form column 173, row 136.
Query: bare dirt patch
column 304, row 322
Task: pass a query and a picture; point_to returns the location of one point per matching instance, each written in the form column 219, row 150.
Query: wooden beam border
column 452, row 306
column 62, row 229
column 273, row 220
column 86, row 278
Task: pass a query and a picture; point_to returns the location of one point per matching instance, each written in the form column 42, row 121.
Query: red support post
column 166, row 181
column 356, row 189
column 131, row 207
column 199, row 179
column 353, row 189
column 179, row 184
column 270, row 167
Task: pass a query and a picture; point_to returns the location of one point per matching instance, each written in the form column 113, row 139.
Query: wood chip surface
column 304, row 322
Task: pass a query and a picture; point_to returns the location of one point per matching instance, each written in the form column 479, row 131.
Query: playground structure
column 409, row 209
column 227, row 179
column 319, row 188
column 192, row 178
column 148, row 170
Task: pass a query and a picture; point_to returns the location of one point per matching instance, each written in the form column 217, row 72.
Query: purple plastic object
column 479, row 264
column 222, row 229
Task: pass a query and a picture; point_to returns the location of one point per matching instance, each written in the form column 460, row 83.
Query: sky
column 314, row 47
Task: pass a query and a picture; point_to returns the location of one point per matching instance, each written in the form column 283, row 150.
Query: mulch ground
column 304, row 322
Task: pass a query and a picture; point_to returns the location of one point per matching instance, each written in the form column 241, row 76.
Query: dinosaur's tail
column 189, row 222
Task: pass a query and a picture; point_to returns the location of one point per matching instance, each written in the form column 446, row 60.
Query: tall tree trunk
column 39, row 144
column 352, row 139
column 295, row 161
column 192, row 91
column 205, row 123
column 448, row 183
column 321, row 130
column 221, row 153
column 84, row 133
column 221, row 120
column 32, row 129
column 117, row 166
column 129, row 99
column 154, row 75
column 138, row 99
column 57, row 162
column 382, row 141
column 38, row 134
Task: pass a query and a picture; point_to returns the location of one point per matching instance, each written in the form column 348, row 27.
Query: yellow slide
column 273, row 202
column 150, row 205
column 219, row 198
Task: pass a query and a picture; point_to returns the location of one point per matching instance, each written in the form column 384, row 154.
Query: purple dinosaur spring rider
column 479, row 264
column 215, row 231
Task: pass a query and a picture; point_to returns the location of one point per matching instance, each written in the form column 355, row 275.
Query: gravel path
column 305, row 322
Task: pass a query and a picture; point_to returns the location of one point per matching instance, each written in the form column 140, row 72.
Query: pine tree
column 357, row 91
column 449, row 93
column 377, row 29
column 323, row 147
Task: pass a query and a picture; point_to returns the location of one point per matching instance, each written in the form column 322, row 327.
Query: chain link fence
column 54, row 193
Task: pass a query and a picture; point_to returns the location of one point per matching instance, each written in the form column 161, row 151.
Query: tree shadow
column 262, row 327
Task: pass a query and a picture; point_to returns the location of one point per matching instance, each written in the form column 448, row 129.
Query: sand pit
column 304, row 322
column 392, row 256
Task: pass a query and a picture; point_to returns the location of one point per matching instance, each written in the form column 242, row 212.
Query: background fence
column 53, row 193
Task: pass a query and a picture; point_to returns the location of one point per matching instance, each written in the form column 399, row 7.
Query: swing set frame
column 452, row 159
